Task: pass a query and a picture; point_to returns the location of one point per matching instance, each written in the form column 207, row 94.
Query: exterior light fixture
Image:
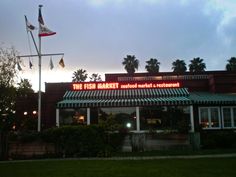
column 25, row 113
column 34, row 112
column 128, row 125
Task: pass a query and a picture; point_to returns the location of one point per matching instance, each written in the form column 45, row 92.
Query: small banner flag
column 29, row 26
column 43, row 30
column 61, row 63
column 18, row 66
column 51, row 64
column 30, row 64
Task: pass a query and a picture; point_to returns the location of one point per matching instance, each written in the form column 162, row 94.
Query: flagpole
column 43, row 31
column 34, row 42
column 39, row 94
column 31, row 35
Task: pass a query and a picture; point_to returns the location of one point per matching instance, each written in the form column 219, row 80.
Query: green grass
column 204, row 167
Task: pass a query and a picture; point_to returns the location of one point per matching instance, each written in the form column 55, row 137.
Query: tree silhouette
column 95, row 77
column 24, row 87
column 79, row 76
column 152, row 66
column 231, row 65
column 197, row 65
column 179, row 66
column 130, row 64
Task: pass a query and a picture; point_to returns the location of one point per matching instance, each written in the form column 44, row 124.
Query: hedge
column 218, row 139
column 83, row 141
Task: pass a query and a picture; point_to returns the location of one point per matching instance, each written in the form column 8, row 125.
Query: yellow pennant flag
column 61, row 63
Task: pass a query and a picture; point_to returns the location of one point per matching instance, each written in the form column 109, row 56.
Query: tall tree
column 79, row 76
column 197, row 65
column 24, row 87
column 130, row 64
column 95, row 77
column 179, row 66
column 231, row 65
column 152, row 66
column 8, row 73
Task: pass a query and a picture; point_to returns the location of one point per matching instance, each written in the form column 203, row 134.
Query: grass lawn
column 204, row 167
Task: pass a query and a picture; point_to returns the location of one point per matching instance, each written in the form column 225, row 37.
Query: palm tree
column 152, row 66
column 95, row 77
column 231, row 65
column 179, row 66
column 130, row 64
column 197, row 65
column 79, row 76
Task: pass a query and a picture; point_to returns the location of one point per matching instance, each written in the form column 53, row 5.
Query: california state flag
column 44, row 31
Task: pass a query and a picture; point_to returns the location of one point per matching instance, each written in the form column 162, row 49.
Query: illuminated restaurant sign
column 121, row 85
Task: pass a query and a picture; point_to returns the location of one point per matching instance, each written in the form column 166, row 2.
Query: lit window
column 209, row 117
column 229, row 117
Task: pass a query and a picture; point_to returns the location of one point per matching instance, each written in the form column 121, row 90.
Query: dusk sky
column 96, row 35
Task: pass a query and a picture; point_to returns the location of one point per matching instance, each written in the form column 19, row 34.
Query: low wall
column 148, row 142
column 29, row 150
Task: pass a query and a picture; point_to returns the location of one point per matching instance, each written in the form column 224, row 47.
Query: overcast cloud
column 97, row 34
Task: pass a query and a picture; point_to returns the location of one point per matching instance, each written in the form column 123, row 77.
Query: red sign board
column 122, row 85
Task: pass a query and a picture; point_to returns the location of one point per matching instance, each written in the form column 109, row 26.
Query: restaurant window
column 172, row 118
column 229, row 117
column 73, row 116
column 209, row 117
column 118, row 117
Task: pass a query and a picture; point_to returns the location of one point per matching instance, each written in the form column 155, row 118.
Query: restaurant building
column 143, row 102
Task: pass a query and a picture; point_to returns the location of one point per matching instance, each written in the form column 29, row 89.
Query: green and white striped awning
column 206, row 98
column 129, row 97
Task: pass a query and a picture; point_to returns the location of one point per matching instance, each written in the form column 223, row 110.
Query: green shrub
column 83, row 141
column 25, row 136
column 218, row 139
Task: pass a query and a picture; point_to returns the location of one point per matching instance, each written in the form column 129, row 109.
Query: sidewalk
column 133, row 158
column 162, row 157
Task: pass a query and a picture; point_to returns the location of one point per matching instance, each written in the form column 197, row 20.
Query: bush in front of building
column 83, row 141
column 73, row 141
column 26, row 136
column 218, row 139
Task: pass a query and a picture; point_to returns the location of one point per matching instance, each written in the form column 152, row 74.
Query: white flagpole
column 39, row 96
column 39, row 65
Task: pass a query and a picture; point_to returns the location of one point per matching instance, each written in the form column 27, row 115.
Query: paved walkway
column 163, row 157
column 134, row 158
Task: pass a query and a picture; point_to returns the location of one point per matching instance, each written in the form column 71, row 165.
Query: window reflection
column 124, row 116
column 164, row 118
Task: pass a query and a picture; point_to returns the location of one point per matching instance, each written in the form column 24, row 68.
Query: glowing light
column 81, row 118
column 128, row 125
column 25, row 113
column 34, row 112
